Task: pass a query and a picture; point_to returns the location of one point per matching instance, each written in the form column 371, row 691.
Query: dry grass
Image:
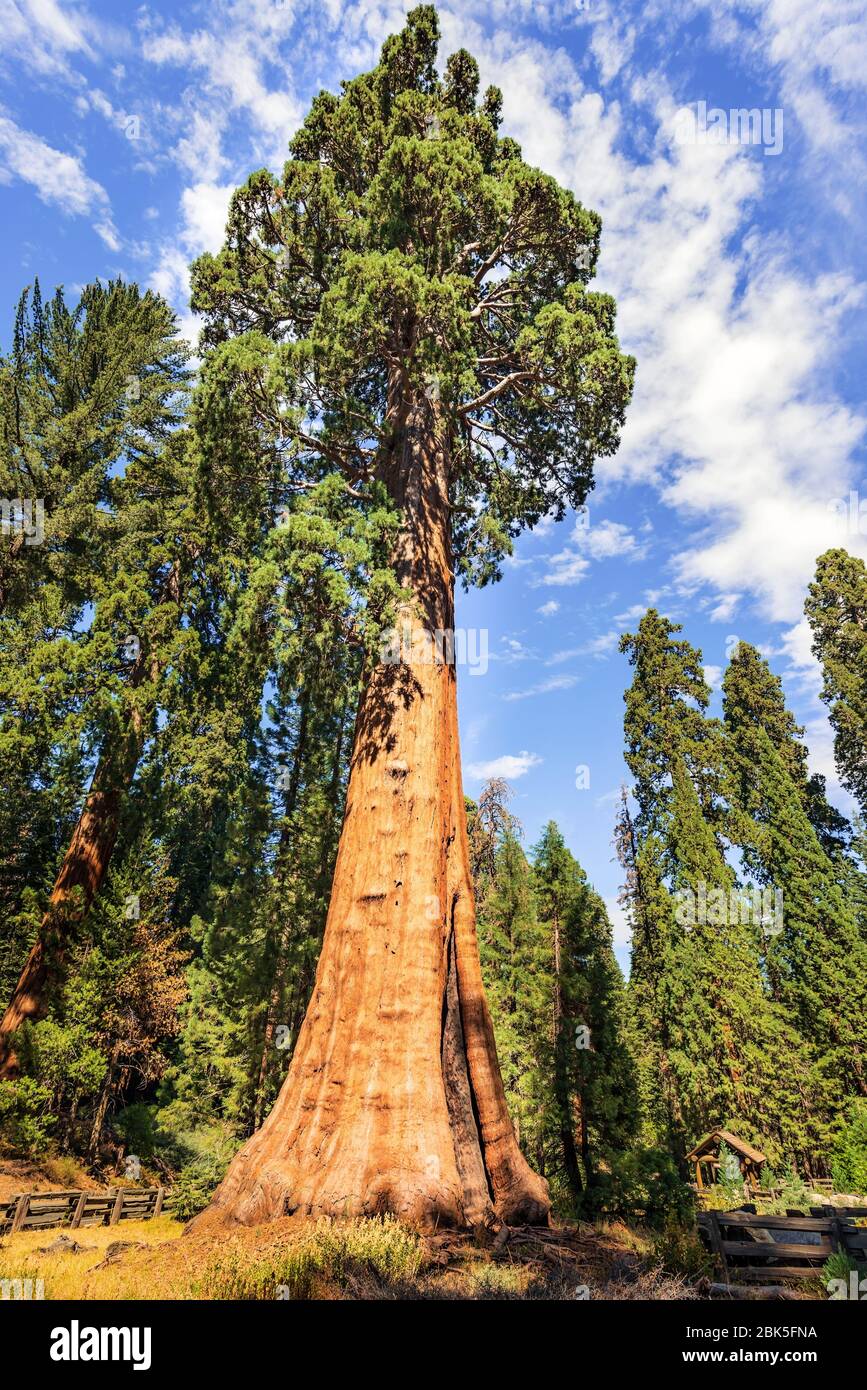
column 359, row 1260
column 65, row 1172
column 49, row 1174
column 320, row 1260
column 74, row 1275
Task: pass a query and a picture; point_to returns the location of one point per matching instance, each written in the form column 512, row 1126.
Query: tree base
column 427, row 1206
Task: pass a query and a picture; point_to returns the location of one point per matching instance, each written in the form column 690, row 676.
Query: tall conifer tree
column 837, row 612
column 408, row 305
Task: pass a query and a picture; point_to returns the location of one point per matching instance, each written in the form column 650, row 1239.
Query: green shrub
column 194, row 1187
column 842, row 1266
column 63, row 1170
column 678, row 1249
column 641, row 1184
column 849, row 1157
column 202, row 1157
column 795, row 1193
column 138, row 1125
column 25, row 1119
column 62, row 1057
column 59, row 1068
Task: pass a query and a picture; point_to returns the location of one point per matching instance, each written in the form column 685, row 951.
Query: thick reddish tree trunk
column 85, row 863
column 80, row 877
column 88, row 857
column 394, row 1101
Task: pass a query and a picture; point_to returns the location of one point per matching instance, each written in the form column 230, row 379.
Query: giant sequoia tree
column 407, row 306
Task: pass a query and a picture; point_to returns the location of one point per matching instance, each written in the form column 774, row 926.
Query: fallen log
column 751, row 1292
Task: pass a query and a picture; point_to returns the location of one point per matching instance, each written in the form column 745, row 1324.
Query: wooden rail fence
column 824, row 1187
column 753, row 1248
column 30, row 1211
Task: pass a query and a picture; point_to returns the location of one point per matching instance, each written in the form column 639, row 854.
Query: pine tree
column 753, row 701
column 836, row 608
column 665, row 707
column 517, row 968
column 82, row 389
column 712, row 1042
column 133, row 579
column 557, row 880
column 736, row 1051
column 488, row 820
column 650, row 912
column 817, row 967
column 594, row 1082
column 134, row 637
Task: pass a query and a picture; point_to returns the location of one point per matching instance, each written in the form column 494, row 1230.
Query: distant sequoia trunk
column 85, row 863
column 394, row 1101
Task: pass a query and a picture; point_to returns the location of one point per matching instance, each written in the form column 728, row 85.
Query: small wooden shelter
column 706, row 1152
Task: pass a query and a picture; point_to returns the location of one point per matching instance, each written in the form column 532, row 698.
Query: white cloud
column 610, row 798
column 734, row 419
column 713, row 676
column 199, row 150
column 543, row 688
column 510, row 765
column 633, row 614
column 42, row 37
column 58, row 178
column 619, row 922
column 600, row 646
column 231, row 57
column 819, row 50
column 604, row 540
column 204, row 208
column 724, row 610
column 566, row 567
column 548, row 609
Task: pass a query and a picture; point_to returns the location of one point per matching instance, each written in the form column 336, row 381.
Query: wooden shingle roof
column 712, row 1141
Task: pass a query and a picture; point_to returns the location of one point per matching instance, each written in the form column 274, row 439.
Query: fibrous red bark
column 78, row 881
column 394, row 1101
column 86, row 861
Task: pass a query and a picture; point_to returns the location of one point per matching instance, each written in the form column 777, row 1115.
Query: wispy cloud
column 601, row 646
column 58, row 178
column 232, row 56
column 42, row 37
column 542, row 688
column 511, row 766
column 604, row 540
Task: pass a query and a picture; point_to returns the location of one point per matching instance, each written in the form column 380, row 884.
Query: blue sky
column 739, row 270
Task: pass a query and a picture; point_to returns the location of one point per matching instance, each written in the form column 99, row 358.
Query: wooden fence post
column 158, row 1204
column 79, row 1211
column 20, row 1213
column 116, row 1209
column 717, row 1245
column 837, row 1233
